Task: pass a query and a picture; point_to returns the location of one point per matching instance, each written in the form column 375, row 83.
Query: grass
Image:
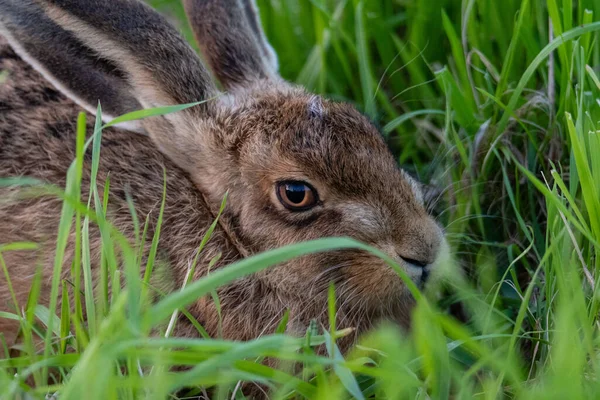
column 497, row 104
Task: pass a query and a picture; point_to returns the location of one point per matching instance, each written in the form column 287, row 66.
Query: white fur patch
column 272, row 57
column 362, row 215
column 230, row 101
column 315, row 107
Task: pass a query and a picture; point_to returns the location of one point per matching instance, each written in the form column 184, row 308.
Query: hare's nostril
column 416, row 263
column 424, row 276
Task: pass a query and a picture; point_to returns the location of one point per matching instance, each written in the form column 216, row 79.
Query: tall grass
column 497, row 104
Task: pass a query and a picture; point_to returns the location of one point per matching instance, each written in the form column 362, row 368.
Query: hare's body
column 37, row 139
column 296, row 167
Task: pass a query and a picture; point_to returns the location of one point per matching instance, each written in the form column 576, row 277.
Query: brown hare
column 296, row 166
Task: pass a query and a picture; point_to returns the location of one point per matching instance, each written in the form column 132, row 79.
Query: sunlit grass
column 479, row 99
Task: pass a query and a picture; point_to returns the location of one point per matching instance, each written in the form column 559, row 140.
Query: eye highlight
column 296, row 195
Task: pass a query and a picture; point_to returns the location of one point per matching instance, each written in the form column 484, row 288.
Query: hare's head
column 296, row 166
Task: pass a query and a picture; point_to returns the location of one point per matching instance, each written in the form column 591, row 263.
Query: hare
column 296, row 166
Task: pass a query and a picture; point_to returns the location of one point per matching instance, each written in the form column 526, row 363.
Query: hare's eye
column 296, row 195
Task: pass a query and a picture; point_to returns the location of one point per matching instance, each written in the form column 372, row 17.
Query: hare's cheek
column 377, row 284
column 291, row 278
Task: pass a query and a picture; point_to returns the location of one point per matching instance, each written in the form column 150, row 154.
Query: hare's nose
column 414, row 262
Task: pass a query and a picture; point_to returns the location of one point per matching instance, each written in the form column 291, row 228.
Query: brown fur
column 261, row 132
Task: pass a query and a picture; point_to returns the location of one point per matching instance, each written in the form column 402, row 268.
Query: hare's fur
column 263, row 130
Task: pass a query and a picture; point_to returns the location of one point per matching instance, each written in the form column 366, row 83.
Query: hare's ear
column 62, row 59
column 118, row 52
column 232, row 40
